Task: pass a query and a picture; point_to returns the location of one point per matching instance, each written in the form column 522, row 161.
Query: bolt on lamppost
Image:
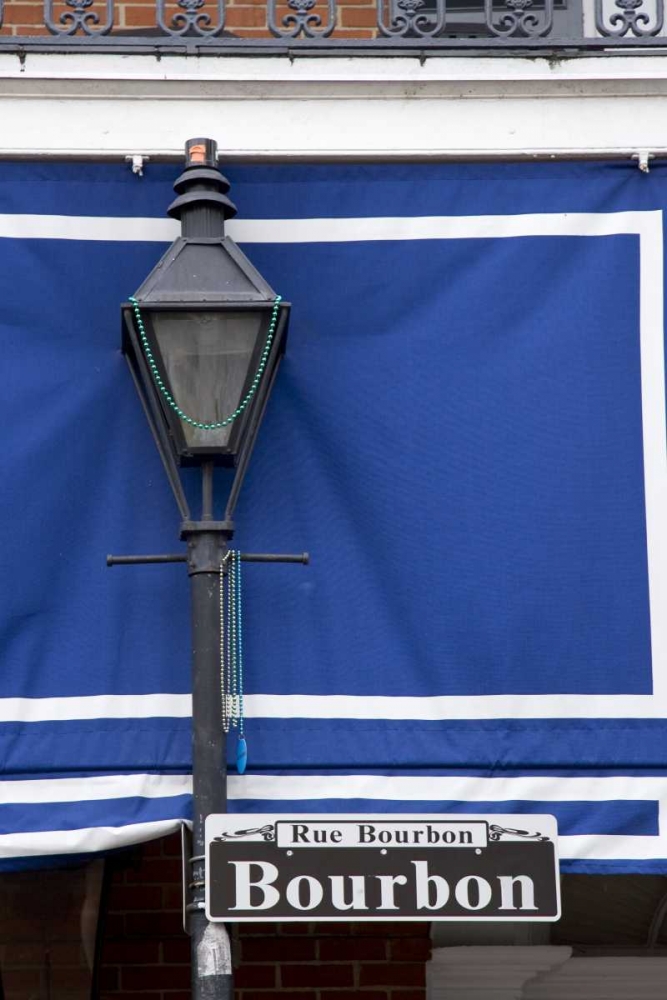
column 203, row 336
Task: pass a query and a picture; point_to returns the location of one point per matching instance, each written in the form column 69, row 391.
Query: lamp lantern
column 204, row 333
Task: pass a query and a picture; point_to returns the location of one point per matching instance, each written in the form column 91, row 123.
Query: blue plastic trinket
column 241, row 755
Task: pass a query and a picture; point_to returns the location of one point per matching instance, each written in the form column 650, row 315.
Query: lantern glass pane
column 209, row 358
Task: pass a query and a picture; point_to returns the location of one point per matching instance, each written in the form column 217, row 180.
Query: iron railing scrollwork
column 78, row 17
column 301, row 20
column 191, row 19
column 83, row 17
column 407, row 19
column 326, row 25
column 631, row 17
column 519, row 18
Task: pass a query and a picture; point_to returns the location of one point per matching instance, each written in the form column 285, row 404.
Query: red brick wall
column 333, row 961
column 244, row 18
column 42, row 914
column 146, row 954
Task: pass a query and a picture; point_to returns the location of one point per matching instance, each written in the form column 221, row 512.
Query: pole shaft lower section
column 211, row 954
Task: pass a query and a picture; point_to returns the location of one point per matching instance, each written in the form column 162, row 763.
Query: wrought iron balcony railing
column 228, row 26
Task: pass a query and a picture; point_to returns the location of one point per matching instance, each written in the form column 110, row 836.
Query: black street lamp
column 204, row 333
column 203, row 336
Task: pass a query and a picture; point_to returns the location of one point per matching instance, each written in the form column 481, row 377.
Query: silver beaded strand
column 224, row 703
column 231, row 653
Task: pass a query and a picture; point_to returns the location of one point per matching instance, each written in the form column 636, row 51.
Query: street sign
column 381, row 867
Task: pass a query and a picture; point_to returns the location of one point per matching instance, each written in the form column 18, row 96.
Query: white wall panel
column 267, row 107
column 489, row 973
column 542, row 973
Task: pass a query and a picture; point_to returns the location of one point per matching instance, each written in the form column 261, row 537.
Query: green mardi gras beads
column 218, row 425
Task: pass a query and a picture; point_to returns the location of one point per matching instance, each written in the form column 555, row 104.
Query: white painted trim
column 268, row 107
column 145, row 70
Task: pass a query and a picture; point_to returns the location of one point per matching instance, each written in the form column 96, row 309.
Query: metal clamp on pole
column 193, row 883
column 186, row 861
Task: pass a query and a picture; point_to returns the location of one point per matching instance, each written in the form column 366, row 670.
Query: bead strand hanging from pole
column 231, row 653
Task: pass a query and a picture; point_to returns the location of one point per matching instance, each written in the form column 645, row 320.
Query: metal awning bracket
column 138, row 161
column 643, row 158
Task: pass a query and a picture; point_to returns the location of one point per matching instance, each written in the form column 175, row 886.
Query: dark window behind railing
column 329, row 25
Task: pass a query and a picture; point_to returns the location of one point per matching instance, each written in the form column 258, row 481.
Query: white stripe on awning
column 472, row 790
column 89, row 840
column 87, row 789
column 351, row 230
column 80, row 227
column 84, row 841
column 354, row 707
column 447, row 788
column 103, row 706
column 448, row 707
column 343, row 787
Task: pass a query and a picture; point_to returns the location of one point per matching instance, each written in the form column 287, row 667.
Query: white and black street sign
column 382, row 867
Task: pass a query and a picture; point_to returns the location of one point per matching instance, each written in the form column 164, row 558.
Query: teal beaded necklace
column 157, row 378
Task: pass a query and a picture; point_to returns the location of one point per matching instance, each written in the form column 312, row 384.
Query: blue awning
column 468, row 435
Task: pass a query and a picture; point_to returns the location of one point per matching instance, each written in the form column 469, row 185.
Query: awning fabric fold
column 468, row 436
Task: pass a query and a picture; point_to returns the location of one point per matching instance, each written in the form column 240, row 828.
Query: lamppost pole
column 207, row 542
column 211, row 956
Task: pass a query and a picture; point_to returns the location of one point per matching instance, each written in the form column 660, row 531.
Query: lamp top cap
column 201, row 153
